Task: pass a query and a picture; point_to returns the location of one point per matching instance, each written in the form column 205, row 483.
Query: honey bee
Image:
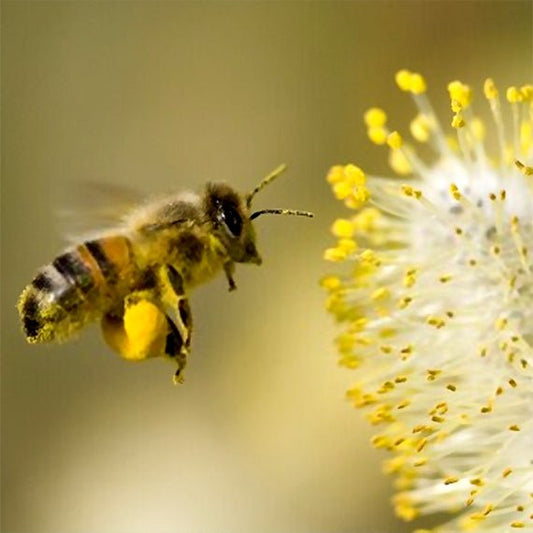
column 135, row 278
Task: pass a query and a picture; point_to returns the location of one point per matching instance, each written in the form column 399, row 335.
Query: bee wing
column 94, row 207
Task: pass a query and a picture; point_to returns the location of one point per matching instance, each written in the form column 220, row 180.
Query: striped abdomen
column 76, row 288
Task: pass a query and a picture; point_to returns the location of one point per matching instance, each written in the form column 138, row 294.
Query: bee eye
column 232, row 220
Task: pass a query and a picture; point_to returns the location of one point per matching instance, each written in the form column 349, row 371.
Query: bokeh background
column 164, row 96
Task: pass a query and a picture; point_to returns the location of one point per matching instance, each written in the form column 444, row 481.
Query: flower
column 435, row 295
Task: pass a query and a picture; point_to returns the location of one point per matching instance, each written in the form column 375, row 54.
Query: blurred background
column 163, row 96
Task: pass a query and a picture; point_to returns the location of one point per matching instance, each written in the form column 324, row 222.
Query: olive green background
column 164, row 96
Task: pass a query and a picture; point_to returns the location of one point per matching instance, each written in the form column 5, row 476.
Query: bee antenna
column 281, row 212
column 264, row 182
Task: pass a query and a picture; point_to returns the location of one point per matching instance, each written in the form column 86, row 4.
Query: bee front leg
column 229, row 270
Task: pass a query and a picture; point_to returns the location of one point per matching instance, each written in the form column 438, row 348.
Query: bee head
column 230, row 219
column 230, row 216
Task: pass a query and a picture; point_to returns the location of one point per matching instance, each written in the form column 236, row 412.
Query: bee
column 136, row 278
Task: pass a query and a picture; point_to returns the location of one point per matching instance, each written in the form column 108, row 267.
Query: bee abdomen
column 74, row 289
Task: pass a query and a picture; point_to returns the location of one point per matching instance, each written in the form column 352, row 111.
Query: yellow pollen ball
column 145, row 325
column 375, row 117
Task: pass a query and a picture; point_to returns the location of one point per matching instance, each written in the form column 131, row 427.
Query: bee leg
column 139, row 331
column 178, row 342
column 177, row 350
column 229, row 270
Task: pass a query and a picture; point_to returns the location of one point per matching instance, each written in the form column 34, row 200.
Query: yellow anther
column 526, row 136
column 500, row 324
column 436, row 322
column 488, row 509
column 335, row 255
column 456, row 106
column 366, row 219
column 407, row 350
column 330, row 283
column 410, row 278
column 421, row 445
column 458, row 122
column 518, row 524
column 477, row 126
column 375, row 117
column 354, row 175
column 342, row 227
column 451, row 479
column 378, row 135
column 460, row 92
column 394, row 140
column 526, row 170
column 347, row 245
column 451, row 387
column 420, row 128
column 418, row 83
column 380, row 294
column 369, row 257
column 454, row 191
column 490, row 90
column 476, row 481
column 403, row 80
column 335, row 174
column 507, row 472
column 399, row 163
column 527, row 93
column 404, row 302
column 514, row 427
column 342, row 190
column 360, row 195
column 513, row 94
column 412, row 82
column 345, row 342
